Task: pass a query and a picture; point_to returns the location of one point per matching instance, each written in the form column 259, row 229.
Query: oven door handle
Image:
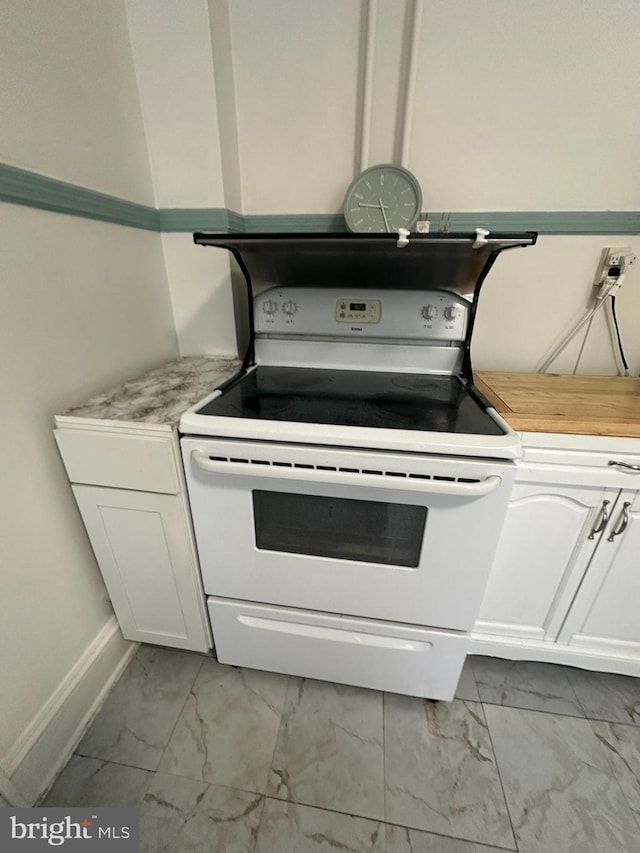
column 348, row 478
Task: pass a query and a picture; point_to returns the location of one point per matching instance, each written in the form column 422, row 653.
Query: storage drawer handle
column 626, row 465
column 604, row 517
column 343, row 478
column 340, row 635
column 625, row 520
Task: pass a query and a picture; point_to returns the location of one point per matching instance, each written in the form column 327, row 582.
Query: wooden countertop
column 547, row 402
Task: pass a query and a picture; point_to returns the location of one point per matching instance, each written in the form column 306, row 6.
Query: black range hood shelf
column 454, row 262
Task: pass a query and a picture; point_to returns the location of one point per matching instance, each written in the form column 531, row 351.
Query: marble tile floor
column 529, row 757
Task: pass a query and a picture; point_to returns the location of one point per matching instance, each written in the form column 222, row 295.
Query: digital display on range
column 358, row 312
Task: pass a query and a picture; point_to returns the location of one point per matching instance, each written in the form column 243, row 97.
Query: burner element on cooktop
column 402, row 410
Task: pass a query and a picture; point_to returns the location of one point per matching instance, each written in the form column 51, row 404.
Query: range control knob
column 289, row 307
column 452, row 312
column 429, row 312
column 269, row 306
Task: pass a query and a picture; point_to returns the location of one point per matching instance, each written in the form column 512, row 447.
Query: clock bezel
column 375, row 170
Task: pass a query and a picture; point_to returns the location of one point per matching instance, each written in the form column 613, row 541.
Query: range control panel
column 392, row 314
column 363, row 311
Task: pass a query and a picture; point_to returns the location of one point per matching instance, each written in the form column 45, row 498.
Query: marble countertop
column 161, row 395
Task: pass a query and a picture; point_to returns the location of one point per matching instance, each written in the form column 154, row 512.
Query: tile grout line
column 295, row 802
column 388, row 823
column 567, row 674
column 596, row 675
column 137, row 766
column 502, row 788
column 612, row 766
column 120, row 763
column 112, row 761
column 505, row 686
column 556, row 714
column 573, row 690
column 469, row 660
column 178, row 716
column 384, row 759
column 585, row 715
column 273, row 755
column 259, row 824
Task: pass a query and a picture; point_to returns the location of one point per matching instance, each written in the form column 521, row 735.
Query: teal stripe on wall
column 223, row 220
column 198, row 219
column 545, row 222
column 20, row 186
column 300, row 222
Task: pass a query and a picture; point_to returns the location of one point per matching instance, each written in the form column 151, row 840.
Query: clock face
column 383, row 198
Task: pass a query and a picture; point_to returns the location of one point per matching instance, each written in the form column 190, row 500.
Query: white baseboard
column 9, row 794
column 582, row 657
column 48, row 740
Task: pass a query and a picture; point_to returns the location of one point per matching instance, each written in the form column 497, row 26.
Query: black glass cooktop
column 355, row 398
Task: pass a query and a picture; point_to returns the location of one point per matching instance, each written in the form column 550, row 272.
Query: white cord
column 584, row 341
column 608, row 288
column 564, row 343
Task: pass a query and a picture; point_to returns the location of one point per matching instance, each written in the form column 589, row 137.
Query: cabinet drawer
column 580, row 450
column 139, row 462
column 365, row 653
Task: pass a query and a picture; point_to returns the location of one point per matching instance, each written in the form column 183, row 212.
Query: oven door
column 403, row 537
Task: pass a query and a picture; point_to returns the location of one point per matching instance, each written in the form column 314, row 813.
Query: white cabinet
column 566, row 576
column 129, row 487
column 604, row 614
column 141, row 542
column 542, row 554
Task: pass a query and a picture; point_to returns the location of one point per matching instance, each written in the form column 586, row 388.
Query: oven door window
column 342, row 528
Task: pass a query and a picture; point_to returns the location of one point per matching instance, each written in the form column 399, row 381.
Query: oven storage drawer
column 386, row 656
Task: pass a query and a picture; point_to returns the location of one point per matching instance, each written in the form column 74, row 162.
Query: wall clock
column 383, row 198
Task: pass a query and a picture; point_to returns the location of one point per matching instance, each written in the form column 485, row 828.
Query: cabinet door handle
column 626, row 465
column 604, row 517
column 625, row 520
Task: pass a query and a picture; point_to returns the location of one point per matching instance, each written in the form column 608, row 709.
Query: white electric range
column 349, row 486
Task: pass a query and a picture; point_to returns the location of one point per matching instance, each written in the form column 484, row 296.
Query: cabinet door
column 604, row 615
column 543, row 551
column 143, row 546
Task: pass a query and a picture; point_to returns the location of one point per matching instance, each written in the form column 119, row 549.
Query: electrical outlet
column 614, row 261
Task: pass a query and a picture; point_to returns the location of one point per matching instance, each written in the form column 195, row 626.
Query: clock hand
column 364, row 204
column 384, row 215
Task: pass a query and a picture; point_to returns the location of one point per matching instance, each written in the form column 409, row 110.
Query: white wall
column 85, row 305
column 296, row 72
column 172, row 49
column 533, row 296
column 528, row 106
column 521, row 108
column 66, row 100
column 201, row 296
column 518, row 106
column 171, row 46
